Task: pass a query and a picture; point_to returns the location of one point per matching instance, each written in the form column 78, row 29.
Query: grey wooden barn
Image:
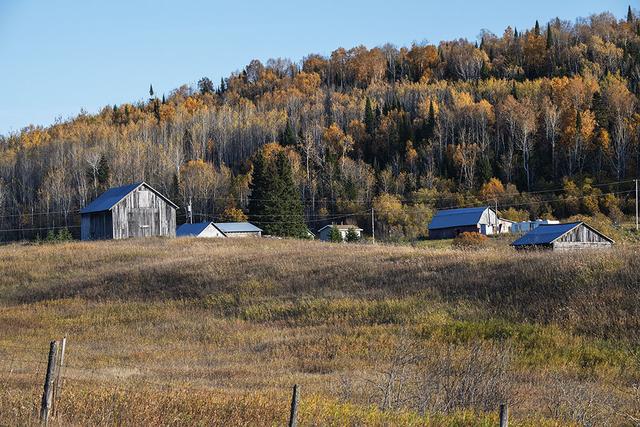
column 135, row 210
column 574, row 235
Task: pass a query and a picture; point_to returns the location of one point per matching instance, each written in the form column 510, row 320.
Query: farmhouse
column 200, row 229
column 575, row 235
column 238, row 229
column 447, row 224
column 135, row 210
column 325, row 232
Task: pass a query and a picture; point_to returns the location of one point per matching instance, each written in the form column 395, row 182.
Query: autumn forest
column 542, row 121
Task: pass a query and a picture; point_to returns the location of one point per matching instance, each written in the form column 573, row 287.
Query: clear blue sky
column 58, row 56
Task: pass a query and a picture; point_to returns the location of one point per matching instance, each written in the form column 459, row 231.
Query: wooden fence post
column 47, row 394
column 293, row 416
column 58, row 381
column 504, row 415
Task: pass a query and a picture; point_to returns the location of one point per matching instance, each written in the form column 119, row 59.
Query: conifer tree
column 369, row 118
column 536, row 29
column 288, row 137
column 275, row 204
column 549, row 37
column 629, row 15
column 352, row 236
column 334, row 235
column 104, row 172
column 151, row 91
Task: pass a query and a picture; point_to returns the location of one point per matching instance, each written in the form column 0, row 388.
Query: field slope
column 216, row 332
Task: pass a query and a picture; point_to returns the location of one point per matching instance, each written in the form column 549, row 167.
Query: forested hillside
column 544, row 121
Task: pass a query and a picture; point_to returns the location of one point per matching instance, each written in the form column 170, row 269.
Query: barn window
column 144, row 199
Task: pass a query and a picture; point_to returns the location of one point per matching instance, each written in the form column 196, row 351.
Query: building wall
column 325, row 234
column 452, row 232
column 581, row 237
column 210, row 231
column 96, row 226
column 249, row 234
column 142, row 213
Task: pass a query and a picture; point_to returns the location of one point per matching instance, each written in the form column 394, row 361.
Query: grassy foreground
column 186, row 331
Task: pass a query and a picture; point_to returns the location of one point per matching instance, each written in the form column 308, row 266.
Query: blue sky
column 58, row 56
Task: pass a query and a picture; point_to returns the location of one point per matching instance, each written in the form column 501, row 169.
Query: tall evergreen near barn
column 275, row 204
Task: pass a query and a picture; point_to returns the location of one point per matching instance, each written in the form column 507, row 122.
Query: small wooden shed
column 134, row 210
column 574, row 235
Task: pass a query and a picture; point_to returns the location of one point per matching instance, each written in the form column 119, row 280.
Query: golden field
column 216, row 332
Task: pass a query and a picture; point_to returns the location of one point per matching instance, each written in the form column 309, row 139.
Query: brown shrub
column 470, row 240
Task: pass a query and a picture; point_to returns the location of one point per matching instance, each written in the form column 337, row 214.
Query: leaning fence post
column 504, row 415
column 293, row 416
column 47, row 394
column 58, row 381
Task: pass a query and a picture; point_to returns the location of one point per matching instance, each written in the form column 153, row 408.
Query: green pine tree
column 288, row 137
column 549, row 37
column 275, row 204
column 151, row 91
column 104, row 172
column 352, row 236
column 536, row 29
column 369, row 118
column 335, row 235
column 629, row 15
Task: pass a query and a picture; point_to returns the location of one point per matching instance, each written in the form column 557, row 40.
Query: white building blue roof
column 456, row 217
column 186, row 230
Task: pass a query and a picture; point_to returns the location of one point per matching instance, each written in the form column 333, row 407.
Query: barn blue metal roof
column 545, row 234
column 191, row 229
column 109, row 198
column 236, row 227
column 456, row 217
column 112, row 196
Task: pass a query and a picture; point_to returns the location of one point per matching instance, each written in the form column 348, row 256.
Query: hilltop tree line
column 503, row 119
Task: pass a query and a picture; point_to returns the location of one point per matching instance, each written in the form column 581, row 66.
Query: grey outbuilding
column 134, row 210
column 574, row 235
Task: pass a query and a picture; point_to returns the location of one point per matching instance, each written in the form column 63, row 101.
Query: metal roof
column 236, row 227
column 112, row 196
column 545, row 234
column 456, row 217
column 192, row 229
column 341, row 227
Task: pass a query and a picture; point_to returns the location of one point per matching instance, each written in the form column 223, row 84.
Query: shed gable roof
column 113, row 196
column 456, row 217
column 236, row 227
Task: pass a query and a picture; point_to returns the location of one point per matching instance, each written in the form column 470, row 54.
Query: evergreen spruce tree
column 369, row 118
column 151, row 91
column 352, row 236
column 275, row 204
column 288, row 202
column 629, row 15
column 164, row 101
column 288, row 137
column 515, row 34
column 104, row 172
column 536, row 29
column 334, row 235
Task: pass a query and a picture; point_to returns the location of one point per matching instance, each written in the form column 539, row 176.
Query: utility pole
column 373, row 227
column 636, row 205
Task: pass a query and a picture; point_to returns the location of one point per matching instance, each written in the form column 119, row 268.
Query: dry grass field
column 195, row 332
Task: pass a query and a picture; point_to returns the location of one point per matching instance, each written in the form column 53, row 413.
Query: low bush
column 470, row 240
